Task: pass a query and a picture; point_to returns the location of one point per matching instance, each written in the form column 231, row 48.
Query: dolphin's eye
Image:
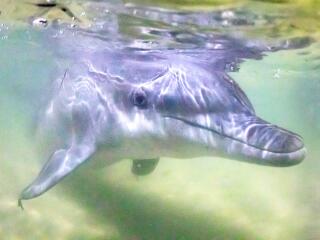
column 139, row 99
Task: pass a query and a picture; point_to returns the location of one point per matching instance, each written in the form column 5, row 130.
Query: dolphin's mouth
column 258, row 140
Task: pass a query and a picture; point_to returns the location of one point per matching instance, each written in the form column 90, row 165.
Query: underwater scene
column 160, row 120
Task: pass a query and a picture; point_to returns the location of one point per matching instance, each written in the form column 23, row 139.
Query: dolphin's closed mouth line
column 226, row 136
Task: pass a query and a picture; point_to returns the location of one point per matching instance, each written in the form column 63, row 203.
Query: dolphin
column 144, row 105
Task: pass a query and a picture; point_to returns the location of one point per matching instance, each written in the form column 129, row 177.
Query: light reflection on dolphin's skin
column 147, row 104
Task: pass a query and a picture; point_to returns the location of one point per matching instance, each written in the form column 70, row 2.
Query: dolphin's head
column 206, row 110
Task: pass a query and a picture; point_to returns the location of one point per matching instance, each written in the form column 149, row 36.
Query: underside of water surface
column 276, row 62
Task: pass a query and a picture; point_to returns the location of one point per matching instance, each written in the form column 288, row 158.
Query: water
column 203, row 198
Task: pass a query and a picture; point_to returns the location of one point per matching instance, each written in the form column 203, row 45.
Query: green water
column 204, row 198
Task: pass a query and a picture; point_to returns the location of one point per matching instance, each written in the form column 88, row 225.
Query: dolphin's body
column 143, row 105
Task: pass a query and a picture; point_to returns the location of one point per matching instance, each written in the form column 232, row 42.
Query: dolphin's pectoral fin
column 142, row 167
column 60, row 164
column 64, row 161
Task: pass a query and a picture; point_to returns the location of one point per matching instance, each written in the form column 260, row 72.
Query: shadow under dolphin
column 143, row 216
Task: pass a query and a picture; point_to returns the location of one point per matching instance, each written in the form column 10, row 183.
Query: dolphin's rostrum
column 150, row 105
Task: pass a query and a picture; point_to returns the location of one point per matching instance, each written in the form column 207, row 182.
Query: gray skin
column 144, row 105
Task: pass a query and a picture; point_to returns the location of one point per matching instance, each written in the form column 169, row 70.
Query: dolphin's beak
column 265, row 136
column 269, row 144
column 246, row 137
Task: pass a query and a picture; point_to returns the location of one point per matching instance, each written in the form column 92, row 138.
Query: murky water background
column 204, row 198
